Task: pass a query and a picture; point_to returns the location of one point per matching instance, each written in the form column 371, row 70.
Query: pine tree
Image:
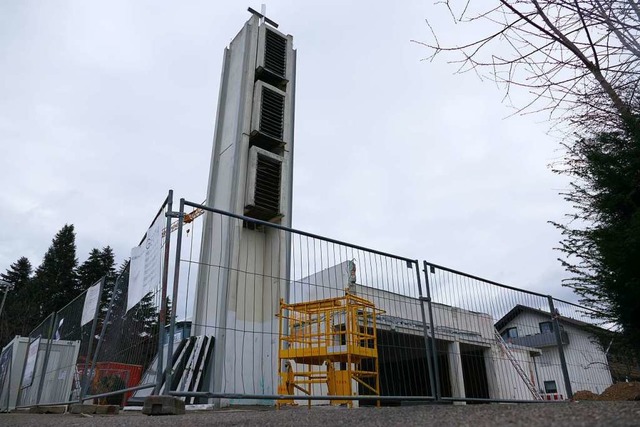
column 19, row 273
column 21, row 311
column 100, row 263
column 56, row 278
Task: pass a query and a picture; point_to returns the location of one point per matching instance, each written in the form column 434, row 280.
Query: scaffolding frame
column 320, row 334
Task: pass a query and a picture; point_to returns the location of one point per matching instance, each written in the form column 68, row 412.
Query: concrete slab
column 58, row 409
column 81, row 408
column 163, row 405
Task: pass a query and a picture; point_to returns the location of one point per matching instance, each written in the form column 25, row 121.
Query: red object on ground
column 107, row 374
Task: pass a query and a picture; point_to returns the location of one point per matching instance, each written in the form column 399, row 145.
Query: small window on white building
column 510, row 333
column 546, row 327
column 550, row 387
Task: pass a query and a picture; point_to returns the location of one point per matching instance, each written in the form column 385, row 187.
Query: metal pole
column 84, row 385
column 427, row 341
column 563, row 360
column 54, row 316
column 433, row 332
column 6, row 290
column 163, row 301
column 176, row 279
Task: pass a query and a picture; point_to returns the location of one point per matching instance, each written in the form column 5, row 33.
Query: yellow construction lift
column 328, row 346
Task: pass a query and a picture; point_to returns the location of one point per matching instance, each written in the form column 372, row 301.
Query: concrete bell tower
column 244, row 269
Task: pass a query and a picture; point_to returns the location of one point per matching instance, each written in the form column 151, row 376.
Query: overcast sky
column 105, row 106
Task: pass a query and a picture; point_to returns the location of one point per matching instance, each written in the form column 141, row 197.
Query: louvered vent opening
column 272, row 113
column 267, row 190
column 275, row 53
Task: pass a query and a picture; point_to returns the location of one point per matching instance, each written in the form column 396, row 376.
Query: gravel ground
column 550, row 414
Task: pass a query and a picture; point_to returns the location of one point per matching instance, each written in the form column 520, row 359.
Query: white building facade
column 587, row 363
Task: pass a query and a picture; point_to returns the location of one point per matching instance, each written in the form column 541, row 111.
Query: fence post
column 427, row 342
column 163, row 299
column 563, row 360
column 434, row 353
column 45, row 362
column 176, row 279
column 83, row 382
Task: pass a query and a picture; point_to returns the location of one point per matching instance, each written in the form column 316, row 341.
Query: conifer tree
column 100, row 263
column 602, row 241
column 19, row 273
column 20, row 313
column 56, row 278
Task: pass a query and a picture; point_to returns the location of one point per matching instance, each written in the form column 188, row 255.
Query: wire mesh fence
column 98, row 346
column 71, row 339
column 296, row 314
column 35, row 361
column 502, row 343
column 479, row 327
column 128, row 356
column 261, row 313
column 128, row 343
column 588, row 342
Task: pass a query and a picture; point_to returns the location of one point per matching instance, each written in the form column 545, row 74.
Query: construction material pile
column 585, row 395
column 618, row 391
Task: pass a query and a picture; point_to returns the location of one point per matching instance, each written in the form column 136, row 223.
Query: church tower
column 244, row 268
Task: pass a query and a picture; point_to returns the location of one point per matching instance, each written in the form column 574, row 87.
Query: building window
column 546, row 327
column 550, row 387
column 510, row 333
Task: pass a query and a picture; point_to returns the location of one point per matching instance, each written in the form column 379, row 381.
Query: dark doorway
column 404, row 370
column 474, row 371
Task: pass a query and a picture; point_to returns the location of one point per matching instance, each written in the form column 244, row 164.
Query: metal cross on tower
column 262, row 15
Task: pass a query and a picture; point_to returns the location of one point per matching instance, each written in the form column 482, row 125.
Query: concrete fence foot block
column 163, row 405
column 82, row 408
column 48, row 410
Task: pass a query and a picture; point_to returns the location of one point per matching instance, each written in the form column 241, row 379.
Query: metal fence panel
column 128, row 342
column 273, row 300
column 492, row 340
column 35, row 361
column 587, row 344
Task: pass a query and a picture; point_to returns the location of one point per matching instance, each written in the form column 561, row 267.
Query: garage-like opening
column 474, row 371
column 403, row 367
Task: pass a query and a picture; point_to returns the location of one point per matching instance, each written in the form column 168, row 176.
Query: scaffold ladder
column 517, row 367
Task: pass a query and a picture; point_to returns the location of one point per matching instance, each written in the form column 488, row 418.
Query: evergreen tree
column 100, row 263
column 56, row 278
column 602, row 240
column 19, row 273
column 21, row 311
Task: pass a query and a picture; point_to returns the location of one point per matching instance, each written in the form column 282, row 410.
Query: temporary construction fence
column 94, row 348
column 68, row 335
column 131, row 337
column 256, row 312
column 273, row 298
column 440, row 333
column 499, row 342
column 63, row 360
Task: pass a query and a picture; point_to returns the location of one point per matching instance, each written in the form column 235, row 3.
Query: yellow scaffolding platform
column 333, row 343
